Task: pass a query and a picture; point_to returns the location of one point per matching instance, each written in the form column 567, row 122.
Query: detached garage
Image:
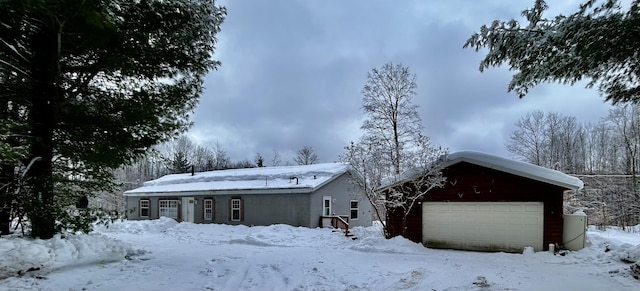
column 489, row 203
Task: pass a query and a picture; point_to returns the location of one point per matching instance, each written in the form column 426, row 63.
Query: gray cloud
column 293, row 70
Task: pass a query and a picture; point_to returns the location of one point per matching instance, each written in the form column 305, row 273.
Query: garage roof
column 518, row 168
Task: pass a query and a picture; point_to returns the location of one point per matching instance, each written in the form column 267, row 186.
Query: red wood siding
column 472, row 183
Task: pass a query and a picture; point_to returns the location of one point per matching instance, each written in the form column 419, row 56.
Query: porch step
column 348, row 234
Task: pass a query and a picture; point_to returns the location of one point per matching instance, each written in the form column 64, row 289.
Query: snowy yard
column 165, row 255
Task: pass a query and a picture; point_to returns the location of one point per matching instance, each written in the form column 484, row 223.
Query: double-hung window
column 207, row 209
column 236, row 209
column 353, row 206
column 144, row 208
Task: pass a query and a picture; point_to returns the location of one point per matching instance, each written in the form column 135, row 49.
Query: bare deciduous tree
column 606, row 154
column 425, row 175
column 625, row 122
column 529, row 140
column 203, row 159
column 550, row 140
column 390, row 113
column 222, row 158
column 392, row 149
column 365, row 161
column 306, row 156
column 246, row 163
column 275, row 161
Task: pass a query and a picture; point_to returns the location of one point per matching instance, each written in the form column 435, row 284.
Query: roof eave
column 569, row 186
column 300, row 190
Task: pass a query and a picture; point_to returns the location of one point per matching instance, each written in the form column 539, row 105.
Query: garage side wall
column 472, row 183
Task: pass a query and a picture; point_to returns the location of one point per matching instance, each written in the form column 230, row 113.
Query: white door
column 326, row 206
column 491, row 226
column 188, row 207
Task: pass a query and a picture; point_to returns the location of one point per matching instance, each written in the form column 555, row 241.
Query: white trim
column 357, row 209
column 148, row 207
column 326, row 209
column 207, row 216
column 188, row 209
column 237, row 207
column 168, row 209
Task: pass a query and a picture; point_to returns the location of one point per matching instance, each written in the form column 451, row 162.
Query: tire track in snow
column 274, row 278
column 237, row 277
column 410, row 281
column 250, row 275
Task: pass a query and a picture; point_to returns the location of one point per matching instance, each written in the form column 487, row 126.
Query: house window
column 353, row 206
column 236, row 209
column 144, row 207
column 208, row 209
column 326, row 205
column 168, row 208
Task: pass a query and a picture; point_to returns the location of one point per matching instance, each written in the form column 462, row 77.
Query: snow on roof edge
column 301, row 190
column 519, row 168
column 235, row 180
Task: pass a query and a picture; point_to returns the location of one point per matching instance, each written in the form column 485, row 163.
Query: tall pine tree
column 96, row 83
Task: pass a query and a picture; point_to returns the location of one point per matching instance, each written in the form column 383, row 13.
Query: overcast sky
column 292, row 74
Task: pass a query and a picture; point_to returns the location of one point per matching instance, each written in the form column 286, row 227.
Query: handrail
column 346, row 224
column 339, row 221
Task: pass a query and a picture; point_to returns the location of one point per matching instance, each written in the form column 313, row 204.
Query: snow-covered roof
column 515, row 167
column 287, row 179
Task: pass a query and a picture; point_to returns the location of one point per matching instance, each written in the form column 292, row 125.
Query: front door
column 188, row 206
column 326, row 206
column 326, row 211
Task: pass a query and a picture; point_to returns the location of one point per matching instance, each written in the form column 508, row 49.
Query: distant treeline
column 604, row 154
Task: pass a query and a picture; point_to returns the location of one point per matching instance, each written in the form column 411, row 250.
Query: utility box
column 574, row 233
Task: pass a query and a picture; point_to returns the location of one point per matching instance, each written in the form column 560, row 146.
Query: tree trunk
column 6, row 177
column 5, row 219
column 404, row 222
column 396, row 140
column 42, row 122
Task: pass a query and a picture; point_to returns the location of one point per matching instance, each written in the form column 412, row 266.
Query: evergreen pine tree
column 96, row 83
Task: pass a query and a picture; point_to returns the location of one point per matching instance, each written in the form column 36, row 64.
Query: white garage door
column 490, row 226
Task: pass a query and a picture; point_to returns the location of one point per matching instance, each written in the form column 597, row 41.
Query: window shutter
column 241, row 209
column 230, row 211
column 179, row 205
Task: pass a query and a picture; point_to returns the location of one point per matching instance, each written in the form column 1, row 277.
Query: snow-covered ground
column 165, row 255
